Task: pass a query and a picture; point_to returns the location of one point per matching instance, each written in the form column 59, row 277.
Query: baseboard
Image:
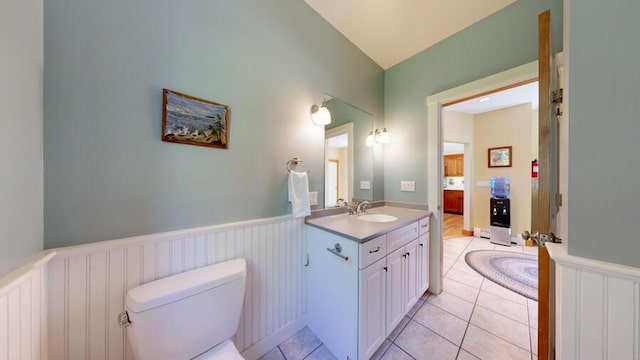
column 265, row 345
column 467, row 232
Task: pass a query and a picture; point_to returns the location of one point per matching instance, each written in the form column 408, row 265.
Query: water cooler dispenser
column 500, row 211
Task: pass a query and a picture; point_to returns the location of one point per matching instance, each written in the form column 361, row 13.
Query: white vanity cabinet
column 357, row 297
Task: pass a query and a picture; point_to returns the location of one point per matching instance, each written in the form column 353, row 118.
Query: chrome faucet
column 362, row 206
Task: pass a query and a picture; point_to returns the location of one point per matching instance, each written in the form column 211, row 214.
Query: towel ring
column 291, row 164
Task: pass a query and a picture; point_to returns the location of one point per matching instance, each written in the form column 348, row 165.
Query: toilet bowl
column 191, row 315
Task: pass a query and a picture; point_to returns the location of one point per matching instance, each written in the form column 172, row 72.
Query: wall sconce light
column 377, row 136
column 320, row 115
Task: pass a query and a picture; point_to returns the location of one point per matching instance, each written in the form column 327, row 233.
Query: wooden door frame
column 503, row 80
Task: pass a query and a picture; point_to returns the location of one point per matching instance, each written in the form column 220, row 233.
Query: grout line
column 312, row 351
column 470, row 316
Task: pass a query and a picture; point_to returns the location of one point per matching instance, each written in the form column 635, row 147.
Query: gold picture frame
column 190, row 120
column 499, row 156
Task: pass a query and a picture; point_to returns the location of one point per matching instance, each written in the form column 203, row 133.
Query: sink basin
column 382, row 218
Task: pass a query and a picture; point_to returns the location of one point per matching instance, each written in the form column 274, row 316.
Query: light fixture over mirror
column 378, row 137
column 320, row 115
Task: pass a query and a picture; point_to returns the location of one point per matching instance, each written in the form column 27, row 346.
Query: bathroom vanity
column 364, row 276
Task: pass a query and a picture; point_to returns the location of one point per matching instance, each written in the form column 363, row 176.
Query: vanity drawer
column 424, row 225
column 372, row 251
column 402, row 236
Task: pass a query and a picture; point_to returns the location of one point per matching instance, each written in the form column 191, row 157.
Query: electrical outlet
column 365, row 185
column 408, row 186
column 313, row 198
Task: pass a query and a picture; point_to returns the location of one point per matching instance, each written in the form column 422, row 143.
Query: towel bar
column 337, row 249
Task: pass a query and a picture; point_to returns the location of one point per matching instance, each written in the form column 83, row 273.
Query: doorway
column 509, row 78
column 338, row 164
column 503, row 118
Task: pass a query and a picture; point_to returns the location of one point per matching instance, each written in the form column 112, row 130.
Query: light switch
column 313, row 198
column 408, row 186
column 365, row 185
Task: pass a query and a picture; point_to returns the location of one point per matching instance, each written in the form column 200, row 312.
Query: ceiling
column 392, row 31
column 523, row 94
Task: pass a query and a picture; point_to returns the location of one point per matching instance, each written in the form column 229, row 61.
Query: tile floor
column 473, row 318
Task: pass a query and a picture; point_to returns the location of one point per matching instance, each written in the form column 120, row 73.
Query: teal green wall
column 604, row 166
column 21, row 214
column 499, row 42
column 107, row 174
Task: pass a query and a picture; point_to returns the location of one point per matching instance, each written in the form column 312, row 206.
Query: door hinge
column 557, row 96
column 558, row 200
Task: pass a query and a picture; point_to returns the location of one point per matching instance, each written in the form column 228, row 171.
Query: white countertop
column 362, row 231
column 453, row 188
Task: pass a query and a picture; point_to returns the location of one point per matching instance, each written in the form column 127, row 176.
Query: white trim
column 559, row 254
column 434, row 141
column 18, row 276
column 88, row 283
column 89, row 248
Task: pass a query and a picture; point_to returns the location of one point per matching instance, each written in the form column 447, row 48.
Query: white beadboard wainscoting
column 23, row 311
column 598, row 308
column 88, row 284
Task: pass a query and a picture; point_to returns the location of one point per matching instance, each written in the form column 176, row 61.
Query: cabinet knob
column 422, row 245
column 385, row 268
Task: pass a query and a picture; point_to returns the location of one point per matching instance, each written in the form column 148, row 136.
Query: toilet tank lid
column 179, row 286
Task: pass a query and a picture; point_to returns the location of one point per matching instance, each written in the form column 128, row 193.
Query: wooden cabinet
column 355, row 303
column 372, row 321
column 453, row 201
column 454, row 165
column 423, row 256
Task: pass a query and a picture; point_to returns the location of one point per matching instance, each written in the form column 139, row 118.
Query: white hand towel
column 299, row 194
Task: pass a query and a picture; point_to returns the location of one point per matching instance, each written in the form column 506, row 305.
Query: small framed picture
column 500, row 156
column 189, row 120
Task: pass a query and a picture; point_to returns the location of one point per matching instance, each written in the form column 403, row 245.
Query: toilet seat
column 226, row 350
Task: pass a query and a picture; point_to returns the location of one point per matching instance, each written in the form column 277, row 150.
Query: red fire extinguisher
column 534, row 169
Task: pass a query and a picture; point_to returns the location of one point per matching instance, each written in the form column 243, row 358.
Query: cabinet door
column 460, row 201
column 372, row 308
column 423, row 263
column 459, row 160
column 411, row 270
column 395, row 289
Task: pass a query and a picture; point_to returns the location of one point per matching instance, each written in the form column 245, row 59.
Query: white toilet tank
column 184, row 315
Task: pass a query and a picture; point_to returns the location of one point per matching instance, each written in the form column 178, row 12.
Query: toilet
column 191, row 315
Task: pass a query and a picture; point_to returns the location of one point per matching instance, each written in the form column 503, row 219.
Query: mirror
column 348, row 160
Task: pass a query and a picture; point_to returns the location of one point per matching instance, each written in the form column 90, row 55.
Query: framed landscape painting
column 189, row 120
column 500, row 157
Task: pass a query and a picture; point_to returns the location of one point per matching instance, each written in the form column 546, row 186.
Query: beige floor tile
column 452, row 304
column 321, row 353
column 442, row 323
column 394, row 334
column 422, row 343
column 461, row 290
column 461, row 265
column 533, row 313
column 485, row 345
column 381, row 350
column 415, row 308
column 530, row 250
column 463, row 355
column 534, row 340
column 395, row 353
column 513, row 248
column 490, row 286
column 502, row 326
column 504, row 306
column 466, row 278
